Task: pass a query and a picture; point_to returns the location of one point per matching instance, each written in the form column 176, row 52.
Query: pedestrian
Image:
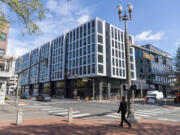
column 123, row 110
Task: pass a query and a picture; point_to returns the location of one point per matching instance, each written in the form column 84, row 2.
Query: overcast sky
column 153, row 21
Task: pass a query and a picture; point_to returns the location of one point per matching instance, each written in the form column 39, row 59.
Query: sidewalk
column 60, row 126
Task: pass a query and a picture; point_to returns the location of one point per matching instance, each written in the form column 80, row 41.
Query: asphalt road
column 88, row 110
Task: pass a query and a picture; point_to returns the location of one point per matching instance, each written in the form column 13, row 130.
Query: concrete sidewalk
column 60, row 126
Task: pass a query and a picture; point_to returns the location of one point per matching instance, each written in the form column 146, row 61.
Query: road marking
column 138, row 117
column 81, row 115
column 48, row 109
column 64, row 110
column 55, row 110
column 64, row 113
column 144, row 113
column 114, row 116
column 167, row 119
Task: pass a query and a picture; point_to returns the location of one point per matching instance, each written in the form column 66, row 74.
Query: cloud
column 61, row 17
column 83, row 19
column 147, row 35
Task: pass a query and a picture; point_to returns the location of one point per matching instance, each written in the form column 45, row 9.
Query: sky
column 153, row 22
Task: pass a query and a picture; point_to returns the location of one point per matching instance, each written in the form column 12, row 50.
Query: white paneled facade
column 117, row 54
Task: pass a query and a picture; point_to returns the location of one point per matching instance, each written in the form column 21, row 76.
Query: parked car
column 43, row 97
column 25, row 96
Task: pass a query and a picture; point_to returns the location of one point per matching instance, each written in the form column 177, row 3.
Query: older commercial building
column 3, row 44
column 153, row 66
column 87, row 61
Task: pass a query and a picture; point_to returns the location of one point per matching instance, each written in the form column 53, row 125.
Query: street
column 92, row 110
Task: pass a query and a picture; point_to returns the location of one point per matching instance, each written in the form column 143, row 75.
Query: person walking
column 123, row 110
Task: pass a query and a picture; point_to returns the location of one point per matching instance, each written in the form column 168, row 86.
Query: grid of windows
column 25, row 61
column 100, row 44
column 117, row 53
column 44, row 66
column 81, row 49
column 24, row 77
column 57, row 69
column 33, row 73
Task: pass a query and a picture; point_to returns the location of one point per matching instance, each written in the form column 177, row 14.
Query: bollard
column 19, row 117
column 70, row 115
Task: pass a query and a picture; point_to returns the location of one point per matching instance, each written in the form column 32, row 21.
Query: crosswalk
column 56, row 111
column 141, row 114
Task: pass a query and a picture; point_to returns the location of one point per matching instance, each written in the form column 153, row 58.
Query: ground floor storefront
column 98, row 88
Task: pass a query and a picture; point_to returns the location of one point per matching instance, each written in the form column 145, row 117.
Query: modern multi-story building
column 153, row 66
column 91, row 57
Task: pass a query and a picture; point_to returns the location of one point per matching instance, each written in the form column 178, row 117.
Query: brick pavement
column 60, row 126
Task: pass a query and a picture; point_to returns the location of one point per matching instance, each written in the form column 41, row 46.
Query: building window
column 112, row 32
column 81, row 32
column 123, row 72
column 93, row 68
column 132, row 67
column 100, row 58
column 122, row 39
column 120, row 72
column 132, row 74
column 89, row 59
column 89, row 49
column 88, row 28
column 3, row 36
column 116, row 62
column 89, row 69
column 2, row 51
column 93, row 48
column 100, row 68
column 84, row 70
column 112, row 52
column 93, row 26
column 100, row 39
column 131, row 58
column 93, row 58
column 115, row 34
column 112, row 43
column 100, row 48
column 131, row 51
column 93, row 38
column 100, row 28
column 84, row 29
column 113, row 71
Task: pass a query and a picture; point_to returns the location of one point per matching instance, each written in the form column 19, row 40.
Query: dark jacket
column 123, row 107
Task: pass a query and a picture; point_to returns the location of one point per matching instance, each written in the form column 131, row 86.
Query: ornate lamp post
column 125, row 18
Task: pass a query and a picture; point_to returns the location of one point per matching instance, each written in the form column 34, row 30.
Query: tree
column 25, row 12
column 177, row 60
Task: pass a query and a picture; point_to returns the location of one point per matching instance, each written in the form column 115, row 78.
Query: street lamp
column 125, row 18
